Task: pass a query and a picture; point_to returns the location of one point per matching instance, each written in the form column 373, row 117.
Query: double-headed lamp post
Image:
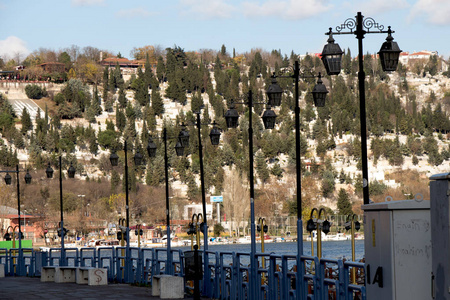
column 62, row 231
column 8, row 180
column 114, row 159
column 274, row 94
column 389, row 56
column 182, row 142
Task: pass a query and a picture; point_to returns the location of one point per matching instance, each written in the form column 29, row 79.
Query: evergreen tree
column 122, row 99
column 106, row 78
column 343, row 203
column 95, row 104
column 26, row 121
column 196, row 102
column 223, row 50
column 90, row 114
column 160, row 70
column 121, row 120
column 141, row 93
column 157, row 102
column 261, row 167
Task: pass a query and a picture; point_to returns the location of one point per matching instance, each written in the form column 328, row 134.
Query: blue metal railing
column 230, row 272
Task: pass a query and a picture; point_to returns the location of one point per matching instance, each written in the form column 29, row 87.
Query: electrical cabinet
column 440, row 234
column 398, row 254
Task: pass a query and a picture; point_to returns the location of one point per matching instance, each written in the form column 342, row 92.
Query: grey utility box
column 440, row 234
column 397, row 243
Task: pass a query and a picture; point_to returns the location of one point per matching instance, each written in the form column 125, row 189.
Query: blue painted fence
column 230, row 272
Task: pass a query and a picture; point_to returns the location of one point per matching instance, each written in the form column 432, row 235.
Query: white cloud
column 433, row 11
column 87, row 2
column 208, row 9
column 379, row 6
column 12, row 46
column 138, row 12
column 289, row 9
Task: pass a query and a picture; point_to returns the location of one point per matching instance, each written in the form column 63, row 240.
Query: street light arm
column 351, row 25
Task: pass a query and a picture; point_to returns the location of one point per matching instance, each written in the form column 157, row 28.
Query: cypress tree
column 122, row 98
column 26, row 121
column 161, row 69
column 343, row 203
column 157, row 102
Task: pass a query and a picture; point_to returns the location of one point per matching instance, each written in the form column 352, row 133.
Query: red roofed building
column 123, row 62
column 29, row 223
column 52, row 67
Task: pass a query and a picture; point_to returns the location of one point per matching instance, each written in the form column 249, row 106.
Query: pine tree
column 141, row 92
column 121, row 120
column 261, row 167
column 106, row 78
column 160, row 70
column 26, row 121
column 343, row 203
column 122, row 98
column 196, row 102
column 157, row 103
column 95, row 104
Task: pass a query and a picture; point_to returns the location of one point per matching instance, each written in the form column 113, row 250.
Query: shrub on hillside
column 34, row 91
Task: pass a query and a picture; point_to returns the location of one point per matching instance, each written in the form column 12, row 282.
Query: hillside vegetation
column 87, row 117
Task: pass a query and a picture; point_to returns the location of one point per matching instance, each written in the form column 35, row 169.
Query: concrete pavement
column 24, row 288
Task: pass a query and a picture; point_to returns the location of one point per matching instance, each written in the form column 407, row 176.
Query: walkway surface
column 24, row 288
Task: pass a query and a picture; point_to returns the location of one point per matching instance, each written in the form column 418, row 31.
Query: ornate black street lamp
column 215, row 138
column 231, row 118
column 8, row 180
column 389, row 56
column 182, row 139
column 319, row 92
column 114, row 159
column 62, row 231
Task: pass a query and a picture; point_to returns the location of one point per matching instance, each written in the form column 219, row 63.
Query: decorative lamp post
column 179, row 148
column 389, row 56
column 319, row 95
column 231, row 118
column 114, row 159
column 62, row 231
column 8, row 180
column 215, row 138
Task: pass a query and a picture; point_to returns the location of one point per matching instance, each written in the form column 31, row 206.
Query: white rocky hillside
column 421, row 86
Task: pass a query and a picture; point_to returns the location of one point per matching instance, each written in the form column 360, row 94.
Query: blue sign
column 216, row 198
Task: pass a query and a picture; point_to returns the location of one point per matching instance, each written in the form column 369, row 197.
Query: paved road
column 24, row 288
column 18, row 100
column 19, row 104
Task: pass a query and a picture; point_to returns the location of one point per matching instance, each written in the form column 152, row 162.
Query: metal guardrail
column 320, row 279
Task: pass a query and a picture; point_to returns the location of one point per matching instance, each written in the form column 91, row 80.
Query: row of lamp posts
column 8, row 181
column 62, row 231
column 331, row 57
column 181, row 144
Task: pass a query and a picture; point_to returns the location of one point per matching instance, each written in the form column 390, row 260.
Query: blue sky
column 287, row 25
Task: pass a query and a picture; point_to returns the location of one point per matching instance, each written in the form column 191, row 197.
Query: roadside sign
column 216, row 198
